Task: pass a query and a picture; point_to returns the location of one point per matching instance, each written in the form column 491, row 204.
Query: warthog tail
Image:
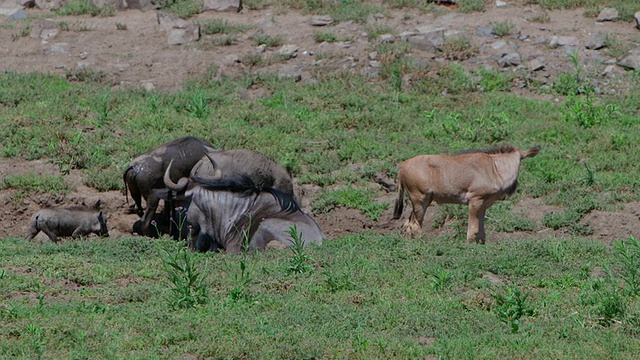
column 397, row 211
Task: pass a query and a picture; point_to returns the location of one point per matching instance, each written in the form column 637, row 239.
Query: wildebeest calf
column 477, row 178
column 73, row 221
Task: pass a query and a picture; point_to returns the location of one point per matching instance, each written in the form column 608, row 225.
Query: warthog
column 477, row 178
column 227, row 212
column 73, row 221
column 145, row 173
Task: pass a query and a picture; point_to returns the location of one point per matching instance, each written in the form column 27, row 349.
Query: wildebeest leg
column 476, row 219
column 419, row 204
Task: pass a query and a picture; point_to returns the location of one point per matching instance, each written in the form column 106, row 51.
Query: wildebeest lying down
column 477, row 178
column 73, row 221
column 145, row 173
column 226, row 212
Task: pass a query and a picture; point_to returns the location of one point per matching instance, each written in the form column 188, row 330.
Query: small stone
column 608, row 14
column 535, row 65
column 319, row 20
column 501, row 4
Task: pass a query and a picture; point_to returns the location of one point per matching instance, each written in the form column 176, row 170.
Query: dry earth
column 141, row 57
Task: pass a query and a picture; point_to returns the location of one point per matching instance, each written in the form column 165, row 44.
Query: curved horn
column 180, row 186
column 217, row 173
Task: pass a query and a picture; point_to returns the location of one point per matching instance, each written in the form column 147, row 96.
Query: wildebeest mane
column 496, row 149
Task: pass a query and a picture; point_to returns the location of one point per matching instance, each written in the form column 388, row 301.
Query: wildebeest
column 146, row 172
column 73, row 221
column 477, row 178
column 230, row 212
column 263, row 171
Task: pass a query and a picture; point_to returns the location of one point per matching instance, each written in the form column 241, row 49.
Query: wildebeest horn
column 180, row 186
column 217, row 173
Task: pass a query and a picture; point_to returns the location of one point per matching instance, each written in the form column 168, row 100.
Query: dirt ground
column 141, row 57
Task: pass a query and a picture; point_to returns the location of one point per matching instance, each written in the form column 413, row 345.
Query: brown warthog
column 477, row 178
column 73, row 221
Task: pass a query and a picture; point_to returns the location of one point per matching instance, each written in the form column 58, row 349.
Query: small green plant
column 299, row 263
column 179, row 220
column 471, row 5
column 502, row 28
column 245, row 276
column 24, row 32
column 268, row 40
column 458, row 47
column 252, row 60
column 628, row 254
column 186, row 278
column 324, row 36
column 378, row 29
column 612, row 307
column 539, row 17
column 583, row 110
column 220, row 26
column 198, row 105
column 121, row 26
column 560, row 220
column 440, row 279
column 511, row 307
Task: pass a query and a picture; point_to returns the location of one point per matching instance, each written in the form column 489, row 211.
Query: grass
column 365, row 296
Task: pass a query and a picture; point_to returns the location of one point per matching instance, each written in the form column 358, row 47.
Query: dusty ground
column 140, row 57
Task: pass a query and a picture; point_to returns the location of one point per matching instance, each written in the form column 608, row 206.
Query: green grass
column 365, row 296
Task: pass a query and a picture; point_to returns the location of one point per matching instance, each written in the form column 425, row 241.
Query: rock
column 48, row 4
column 118, row 4
column 608, row 14
column 320, row 20
column 222, row 5
column 57, row 49
column 288, row 50
column 289, row 72
column 637, row 17
column 535, row 65
column 12, row 14
column 501, row 4
column 630, row 60
column 180, row 36
column 484, row 31
column 596, row 41
column 45, row 30
column 510, row 59
column 386, row 38
column 563, row 41
column 142, row 5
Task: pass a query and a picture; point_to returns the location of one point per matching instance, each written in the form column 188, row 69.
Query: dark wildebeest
column 477, row 178
column 229, row 212
column 146, row 172
column 73, row 221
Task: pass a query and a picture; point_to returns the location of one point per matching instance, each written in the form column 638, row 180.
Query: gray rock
column 57, row 49
column 289, row 72
column 168, row 21
column 535, row 65
column 321, row 20
column 510, row 59
column 184, row 35
column 45, row 29
column 608, row 14
column 631, row 60
column 14, row 13
column 48, row 4
column 501, row 4
column 498, row 44
column 484, row 31
column 222, row 5
column 637, row 17
column 375, row 64
column 596, row 41
column 386, row 38
column 118, row 4
column 288, row 50
column 142, row 5
column 563, row 41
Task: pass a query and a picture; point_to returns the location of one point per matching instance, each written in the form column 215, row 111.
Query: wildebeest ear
column 531, row 152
